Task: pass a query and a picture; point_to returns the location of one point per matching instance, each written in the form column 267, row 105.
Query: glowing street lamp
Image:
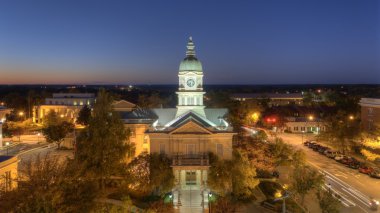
column 21, row 113
column 255, row 117
column 351, row 117
column 7, row 145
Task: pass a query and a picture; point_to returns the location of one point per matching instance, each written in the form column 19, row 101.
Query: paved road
column 354, row 187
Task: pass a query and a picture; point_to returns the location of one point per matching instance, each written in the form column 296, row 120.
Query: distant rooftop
column 73, row 95
column 302, row 119
column 268, row 95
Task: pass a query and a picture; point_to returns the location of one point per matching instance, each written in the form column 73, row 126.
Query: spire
column 190, row 47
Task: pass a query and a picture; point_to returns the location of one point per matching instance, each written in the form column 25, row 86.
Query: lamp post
column 7, row 145
column 310, row 118
column 209, row 203
column 21, row 114
column 282, row 197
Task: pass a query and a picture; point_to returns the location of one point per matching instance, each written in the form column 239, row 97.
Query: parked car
column 322, row 149
column 345, row 160
column 306, row 143
column 354, row 164
column 312, row 144
column 339, row 157
column 316, row 147
column 365, row 169
column 375, row 174
column 331, row 154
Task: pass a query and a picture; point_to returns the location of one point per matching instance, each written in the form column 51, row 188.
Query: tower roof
column 190, row 63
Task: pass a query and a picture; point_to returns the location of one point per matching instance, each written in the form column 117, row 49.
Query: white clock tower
column 190, row 92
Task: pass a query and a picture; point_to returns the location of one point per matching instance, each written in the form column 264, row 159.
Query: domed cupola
column 190, row 63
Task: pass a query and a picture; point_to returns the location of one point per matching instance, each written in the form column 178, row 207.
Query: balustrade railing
column 190, row 160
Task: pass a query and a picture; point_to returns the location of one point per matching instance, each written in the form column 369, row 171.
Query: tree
column 280, row 151
column 305, row 179
column 48, row 185
column 57, row 133
column 160, row 207
column 151, row 101
column 219, row 177
column 103, row 145
column 299, row 158
column 243, row 176
column 236, row 177
column 150, row 174
column 258, row 153
column 327, row 202
column 340, row 131
column 84, row 116
column 224, row 205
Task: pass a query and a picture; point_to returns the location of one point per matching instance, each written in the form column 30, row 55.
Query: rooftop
column 268, row 95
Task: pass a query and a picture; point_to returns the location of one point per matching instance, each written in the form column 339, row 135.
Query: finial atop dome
column 190, row 47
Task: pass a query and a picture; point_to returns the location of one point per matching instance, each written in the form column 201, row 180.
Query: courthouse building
column 186, row 134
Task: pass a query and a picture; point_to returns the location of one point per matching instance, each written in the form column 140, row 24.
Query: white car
column 339, row 157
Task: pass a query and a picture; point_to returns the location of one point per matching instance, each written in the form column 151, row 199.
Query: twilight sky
column 143, row 42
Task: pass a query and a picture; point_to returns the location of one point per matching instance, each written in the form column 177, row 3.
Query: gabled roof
column 190, row 127
column 123, row 105
column 190, row 116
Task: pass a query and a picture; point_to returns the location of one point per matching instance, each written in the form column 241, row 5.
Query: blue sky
column 143, row 42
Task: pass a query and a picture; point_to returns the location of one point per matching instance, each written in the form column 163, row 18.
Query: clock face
column 190, row 82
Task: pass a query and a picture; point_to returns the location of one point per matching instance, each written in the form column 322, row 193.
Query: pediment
column 191, row 127
column 123, row 105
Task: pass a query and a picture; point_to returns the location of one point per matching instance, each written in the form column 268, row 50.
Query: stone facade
column 8, row 172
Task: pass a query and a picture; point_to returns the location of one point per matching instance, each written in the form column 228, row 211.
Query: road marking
column 356, row 196
column 349, row 204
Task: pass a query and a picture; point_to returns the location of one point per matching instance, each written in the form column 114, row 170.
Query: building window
column 162, row 149
column 145, row 139
column 295, row 128
column 219, row 150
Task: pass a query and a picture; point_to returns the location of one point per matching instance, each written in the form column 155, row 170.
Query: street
column 355, row 188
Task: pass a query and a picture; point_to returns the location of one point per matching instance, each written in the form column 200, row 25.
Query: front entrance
column 191, row 178
column 190, row 194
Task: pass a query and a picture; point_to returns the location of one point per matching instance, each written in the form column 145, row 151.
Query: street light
column 280, row 196
column 7, row 145
column 351, row 117
column 209, row 203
